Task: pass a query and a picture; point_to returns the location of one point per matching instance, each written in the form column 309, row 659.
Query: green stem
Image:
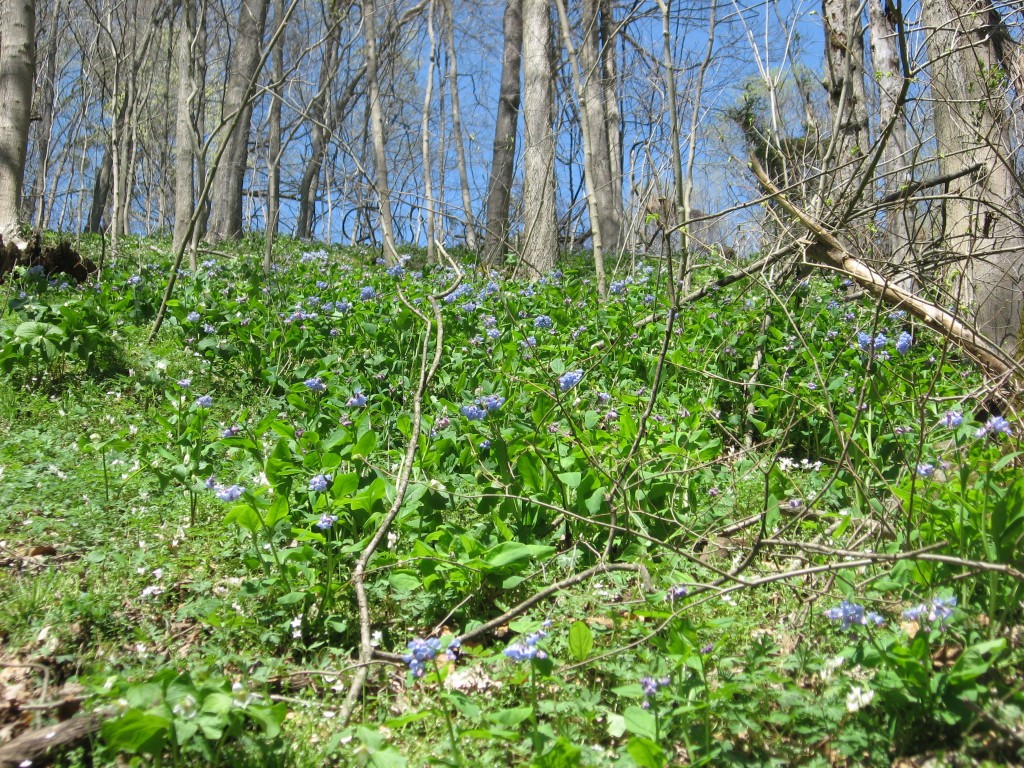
column 448, row 721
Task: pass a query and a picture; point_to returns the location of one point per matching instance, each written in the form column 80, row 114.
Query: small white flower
column 830, row 666
column 858, row 698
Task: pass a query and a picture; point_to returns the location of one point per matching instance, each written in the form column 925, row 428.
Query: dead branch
column 41, row 746
column 825, row 246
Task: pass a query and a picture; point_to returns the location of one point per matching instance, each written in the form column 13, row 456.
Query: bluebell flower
column 994, row 426
column 184, row 383
column 903, row 343
column 231, row 431
column 617, row 287
column 650, row 688
column 925, row 470
column 569, row 380
column 493, row 333
column 229, row 492
column 134, row 280
column 951, row 419
column 603, row 397
column 938, row 613
column 211, row 482
column 485, row 445
column 358, row 399
column 316, row 384
column 489, row 321
column 420, row 652
column 849, row 614
column 542, row 321
column 492, row 402
column 527, row 649
column 473, row 412
column 208, row 328
column 529, row 342
column 192, row 317
column 675, row 592
column 865, row 341
column 366, row 293
column 326, row 521
column 320, row 483
column 204, row 401
column 342, row 306
column 395, row 270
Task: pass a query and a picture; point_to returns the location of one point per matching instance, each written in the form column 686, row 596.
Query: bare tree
column 17, row 56
column 226, row 212
column 460, row 150
column 981, row 220
column 381, row 186
column 503, row 153
column 540, row 239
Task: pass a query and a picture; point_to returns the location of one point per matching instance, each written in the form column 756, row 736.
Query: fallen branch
column 42, row 745
column 825, row 245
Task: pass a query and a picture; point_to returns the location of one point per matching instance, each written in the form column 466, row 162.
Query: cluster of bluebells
column 320, row 483
column 367, row 293
column 316, row 384
column 358, row 399
column 423, row 650
column 569, row 380
column 484, row 405
column 225, row 492
column 951, row 419
column 866, row 341
column 204, row 401
column 395, row 270
column 903, row 343
column 326, row 521
column 849, row 614
column 542, row 321
column 994, row 426
column 650, row 687
column 938, row 613
column 527, row 649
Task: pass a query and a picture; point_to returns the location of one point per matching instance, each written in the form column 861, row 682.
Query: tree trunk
column 44, row 128
column 612, row 115
column 844, row 82
column 226, row 213
column 381, row 187
column 893, row 168
column 540, row 238
column 320, row 134
column 429, row 204
column 17, row 55
column 460, row 150
column 592, row 102
column 503, row 154
column 274, row 142
column 184, row 131
column 981, row 226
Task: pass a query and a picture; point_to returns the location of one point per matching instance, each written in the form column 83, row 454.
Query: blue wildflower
column 849, row 614
column 492, row 402
column 542, row 321
column 192, row 317
column 326, row 521
column 316, row 384
column 938, row 613
column 320, row 483
column 204, row 401
column 473, row 412
column 420, row 652
column 229, row 492
column 925, row 470
column 358, row 399
column 903, row 343
column 951, row 419
column 493, row 333
column 395, row 270
column 569, row 380
column 526, row 650
column 367, row 293
column 994, row 426
column 184, row 383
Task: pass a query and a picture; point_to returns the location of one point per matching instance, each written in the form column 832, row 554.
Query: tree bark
column 17, row 57
column 844, row 82
column 460, row 150
column 540, row 237
column 44, row 128
column 184, row 130
column 226, row 212
column 381, row 186
column 274, row 142
column 503, row 153
column 981, row 223
column 894, row 167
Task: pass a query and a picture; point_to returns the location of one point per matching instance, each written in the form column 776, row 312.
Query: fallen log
column 41, row 746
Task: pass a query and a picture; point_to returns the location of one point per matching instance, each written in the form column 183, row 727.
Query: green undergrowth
column 812, row 513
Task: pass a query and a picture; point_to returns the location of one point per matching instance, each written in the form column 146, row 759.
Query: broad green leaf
column 640, row 722
column 581, row 641
column 646, row 753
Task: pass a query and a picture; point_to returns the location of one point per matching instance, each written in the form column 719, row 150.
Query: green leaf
column 510, row 718
column 646, row 753
column 581, row 641
column 509, row 552
column 138, row 732
column 365, row 445
column 404, row 582
column 640, row 722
